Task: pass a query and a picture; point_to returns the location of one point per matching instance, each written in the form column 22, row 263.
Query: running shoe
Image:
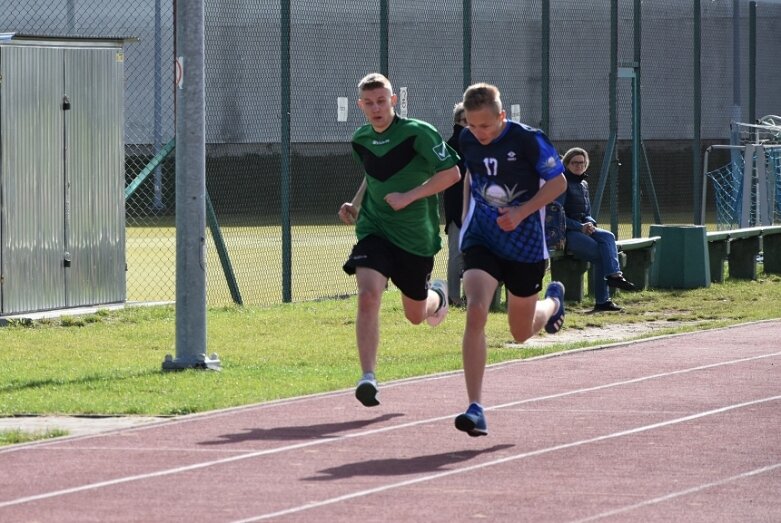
column 367, row 392
column 440, row 287
column 555, row 290
column 472, row 421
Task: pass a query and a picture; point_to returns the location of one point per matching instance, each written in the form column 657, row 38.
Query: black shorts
column 409, row 272
column 521, row 279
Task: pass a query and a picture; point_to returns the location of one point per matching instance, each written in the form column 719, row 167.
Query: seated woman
column 584, row 239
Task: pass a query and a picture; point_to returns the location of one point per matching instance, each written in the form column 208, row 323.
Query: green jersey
column 400, row 158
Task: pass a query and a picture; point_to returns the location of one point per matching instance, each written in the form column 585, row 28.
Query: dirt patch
column 605, row 334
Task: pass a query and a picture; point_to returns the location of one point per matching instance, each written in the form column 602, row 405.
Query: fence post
column 467, row 42
column 287, row 255
column 384, row 35
column 545, row 73
column 697, row 179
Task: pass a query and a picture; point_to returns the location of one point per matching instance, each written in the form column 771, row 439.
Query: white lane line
column 396, row 383
column 673, row 495
column 507, row 459
column 632, row 381
column 440, row 418
column 370, row 432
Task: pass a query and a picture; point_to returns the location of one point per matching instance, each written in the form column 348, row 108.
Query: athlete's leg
column 479, row 287
column 371, row 285
column 420, row 298
column 528, row 315
column 418, row 310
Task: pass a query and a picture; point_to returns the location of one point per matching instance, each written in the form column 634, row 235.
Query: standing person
column 454, row 208
column 513, row 171
column 584, row 239
column 396, row 212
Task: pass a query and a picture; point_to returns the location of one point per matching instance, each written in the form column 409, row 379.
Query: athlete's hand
column 509, row 218
column 397, row 200
column 348, row 213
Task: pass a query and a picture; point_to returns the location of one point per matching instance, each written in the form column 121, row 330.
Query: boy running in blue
column 513, row 171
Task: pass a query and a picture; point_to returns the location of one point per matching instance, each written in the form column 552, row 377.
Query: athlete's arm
column 436, row 184
column 348, row 212
column 467, row 195
column 510, row 217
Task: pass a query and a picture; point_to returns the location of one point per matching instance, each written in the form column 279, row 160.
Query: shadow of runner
column 399, row 467
column 303, row 432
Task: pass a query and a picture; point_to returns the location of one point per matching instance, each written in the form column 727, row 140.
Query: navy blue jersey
column 506, row 173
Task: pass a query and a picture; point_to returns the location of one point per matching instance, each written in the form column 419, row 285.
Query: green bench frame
column 635, row 257
column 639, row 258
column 771, row 248
column 738, row 247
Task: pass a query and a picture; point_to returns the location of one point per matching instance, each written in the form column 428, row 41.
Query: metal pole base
column 203, row 363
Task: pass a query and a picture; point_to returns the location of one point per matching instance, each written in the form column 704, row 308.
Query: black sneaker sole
column 464, row 424
column 367, row 395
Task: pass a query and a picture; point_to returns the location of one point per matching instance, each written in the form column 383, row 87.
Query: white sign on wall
column 341, row 109
column 403, row 102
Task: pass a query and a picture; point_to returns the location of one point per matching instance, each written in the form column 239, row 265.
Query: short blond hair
column 571, row 153
column 481, row 95
column 374, row 81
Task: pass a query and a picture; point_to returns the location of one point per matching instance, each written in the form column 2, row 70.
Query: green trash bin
column 681, row 260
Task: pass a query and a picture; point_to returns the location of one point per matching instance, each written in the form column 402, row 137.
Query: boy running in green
column 396, row 211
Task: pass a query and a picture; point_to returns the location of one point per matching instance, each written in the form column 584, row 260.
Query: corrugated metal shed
column 62, row 214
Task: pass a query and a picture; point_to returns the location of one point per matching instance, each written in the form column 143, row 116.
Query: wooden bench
column 635, row 257
column 739, row 247
column 771, row 249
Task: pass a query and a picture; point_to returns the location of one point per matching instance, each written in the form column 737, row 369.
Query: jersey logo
column 511, row 156
column 500, row 195
column 441, row 151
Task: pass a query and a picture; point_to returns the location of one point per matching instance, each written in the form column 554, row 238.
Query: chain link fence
column 552, row 59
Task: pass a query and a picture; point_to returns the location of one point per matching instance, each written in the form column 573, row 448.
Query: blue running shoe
column 555, row 290
column 366, row 392
column 472, row 421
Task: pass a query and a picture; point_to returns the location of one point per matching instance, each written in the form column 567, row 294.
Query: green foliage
column 12, row 437
column 111, row 362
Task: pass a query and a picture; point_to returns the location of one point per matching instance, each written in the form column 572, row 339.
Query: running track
column 681, row 428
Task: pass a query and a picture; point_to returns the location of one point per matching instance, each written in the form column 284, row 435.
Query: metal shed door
column 31, row 179
column 94, row 170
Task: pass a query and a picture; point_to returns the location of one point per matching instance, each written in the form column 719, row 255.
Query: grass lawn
column 110, row 362
column 255, row 251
